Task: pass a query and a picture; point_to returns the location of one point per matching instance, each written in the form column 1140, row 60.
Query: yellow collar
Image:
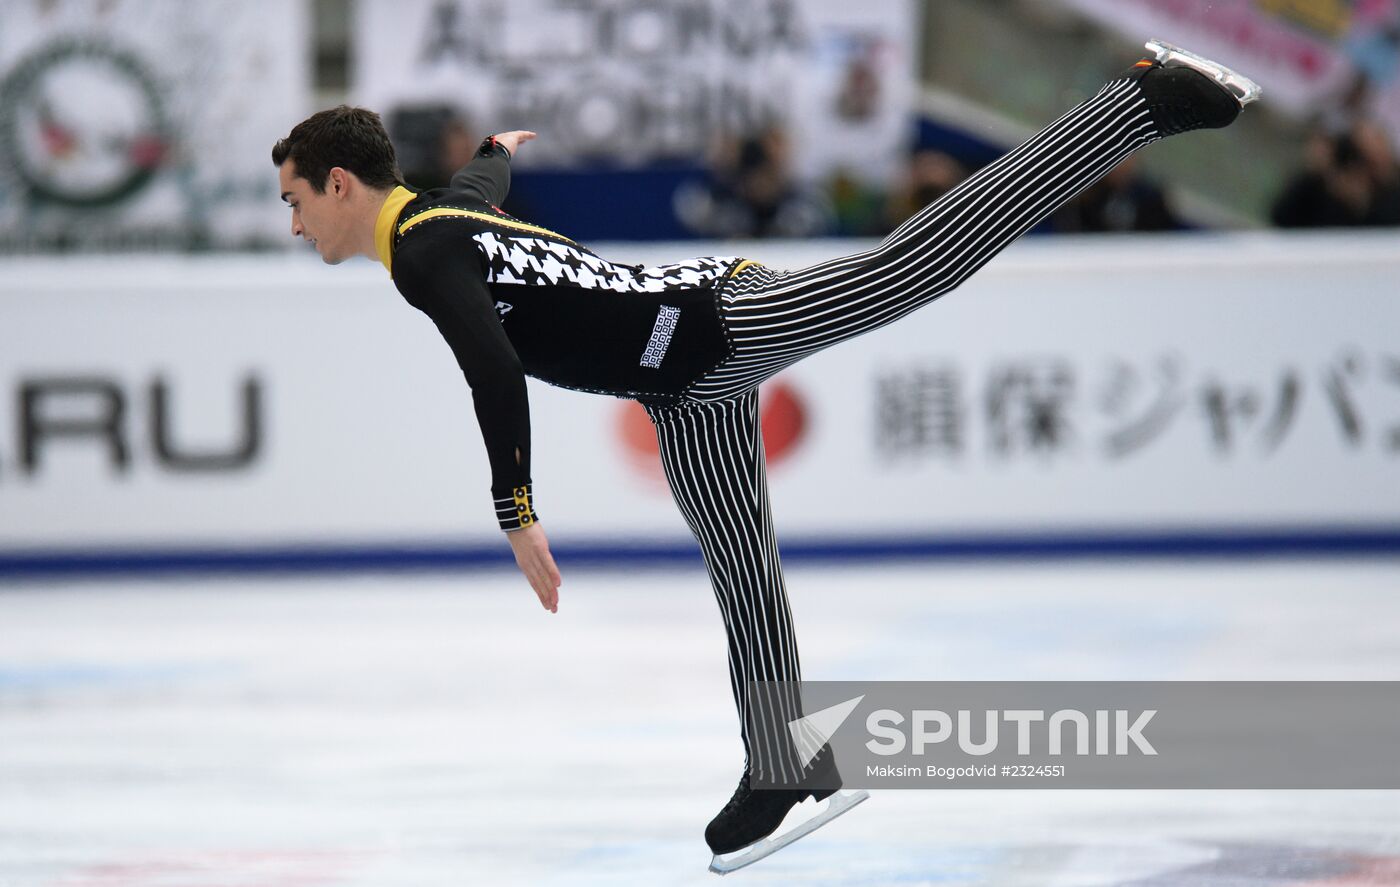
column 384, row 225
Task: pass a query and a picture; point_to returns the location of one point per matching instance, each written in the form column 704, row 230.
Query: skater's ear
column 338, row 182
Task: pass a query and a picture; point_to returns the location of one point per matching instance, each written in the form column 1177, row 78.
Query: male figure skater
column 693, row 340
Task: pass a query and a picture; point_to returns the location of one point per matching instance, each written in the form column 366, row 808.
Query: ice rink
column 441, row 729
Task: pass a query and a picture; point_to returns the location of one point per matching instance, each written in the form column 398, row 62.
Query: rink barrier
column 153, row 409
column 368, row 558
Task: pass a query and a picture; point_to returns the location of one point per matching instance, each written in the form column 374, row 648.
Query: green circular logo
column 83, row 123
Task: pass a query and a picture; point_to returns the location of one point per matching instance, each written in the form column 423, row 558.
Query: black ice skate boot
column 1185, row 91
column 737, row 835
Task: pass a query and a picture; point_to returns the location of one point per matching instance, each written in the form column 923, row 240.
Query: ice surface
column 444, row 730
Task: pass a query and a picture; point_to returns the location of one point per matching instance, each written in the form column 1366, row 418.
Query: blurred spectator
column 931, row 174
column 860, row 208
column 1373, row 143
column 457, row 146
column 432, row 142
column 752, row 192
column 1347, row 180
column 1373, row 47
column 859, row 97
column 1122, row 201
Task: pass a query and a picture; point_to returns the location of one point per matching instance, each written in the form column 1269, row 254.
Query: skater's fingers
column 549, row 575
column 541, row 591
column 549, row 578
column 535, row 562
column 514, row 138
column 544, row 589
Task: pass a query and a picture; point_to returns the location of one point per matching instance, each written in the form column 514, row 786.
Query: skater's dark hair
column 351, row 138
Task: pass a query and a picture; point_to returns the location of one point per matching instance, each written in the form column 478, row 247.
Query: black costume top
column 513, row 299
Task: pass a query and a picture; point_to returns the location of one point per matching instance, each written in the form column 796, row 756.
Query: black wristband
column 489, row 146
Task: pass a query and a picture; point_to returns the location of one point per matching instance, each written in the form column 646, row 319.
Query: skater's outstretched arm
column 444, row 280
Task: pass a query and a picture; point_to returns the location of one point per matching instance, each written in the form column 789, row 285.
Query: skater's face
column 324, row 219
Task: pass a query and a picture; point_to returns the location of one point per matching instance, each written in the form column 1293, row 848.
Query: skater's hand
column 533, row 557
column 512, row 139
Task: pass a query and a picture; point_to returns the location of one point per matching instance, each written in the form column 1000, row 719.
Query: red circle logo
column 782, row 414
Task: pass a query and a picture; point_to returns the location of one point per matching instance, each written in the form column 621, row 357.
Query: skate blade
column 1244, row 90
column 724, row 863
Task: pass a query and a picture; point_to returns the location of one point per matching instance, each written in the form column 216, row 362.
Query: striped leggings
column 711, row 445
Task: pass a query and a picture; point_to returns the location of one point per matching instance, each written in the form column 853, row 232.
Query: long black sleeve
column 442, row 277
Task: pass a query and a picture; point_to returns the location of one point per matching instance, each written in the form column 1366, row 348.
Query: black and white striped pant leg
column 713, row 457
column 777, row 318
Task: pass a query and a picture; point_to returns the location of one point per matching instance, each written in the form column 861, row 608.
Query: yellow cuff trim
column 522, row 506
